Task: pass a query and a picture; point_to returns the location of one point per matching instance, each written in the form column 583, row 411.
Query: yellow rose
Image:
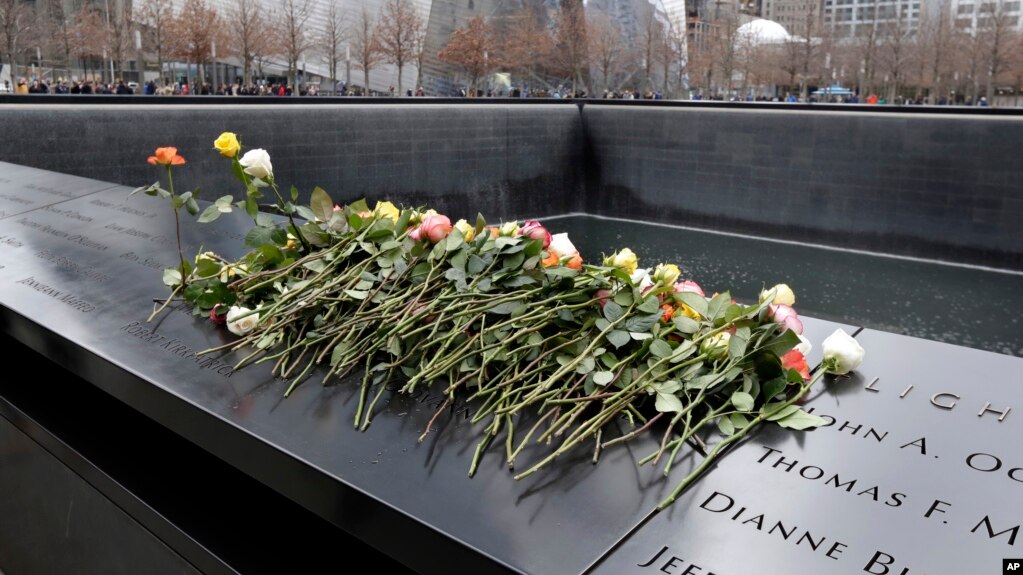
column 689, row 312
column 624, row 260
column 468, row 232
column 509, row 229
column 783, row 294
column 716, row 346
column 387, row 210
column 227, row 144
column 667, row 274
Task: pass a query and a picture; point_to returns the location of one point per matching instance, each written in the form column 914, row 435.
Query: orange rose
column 166, row 157
column 669, row 312
column 551, row 260
column 575, row 263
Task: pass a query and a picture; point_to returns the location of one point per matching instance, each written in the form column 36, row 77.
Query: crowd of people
column 62, row 86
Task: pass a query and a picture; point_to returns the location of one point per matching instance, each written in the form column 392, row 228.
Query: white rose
column 641, row 278
column 804, row 346
column 256, row 163
column 562, row 246
column 842, row 353
column 241, row 320
column 783, row 294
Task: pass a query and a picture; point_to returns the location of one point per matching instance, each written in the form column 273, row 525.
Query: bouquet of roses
column 547, row 348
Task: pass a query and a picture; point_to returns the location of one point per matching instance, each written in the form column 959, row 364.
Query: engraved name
column 64, row 262
column 73, row 238
column 123, row 208
column 61, row 296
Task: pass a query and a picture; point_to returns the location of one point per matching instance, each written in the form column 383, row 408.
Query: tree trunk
column 365, row 88
column 400, row 66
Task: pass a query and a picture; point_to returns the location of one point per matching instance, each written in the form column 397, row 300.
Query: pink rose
column 435, row 228
column 787, row 315
column 533, row 230
column 602, row 296
column 689, row 286
column 216, row 318
column 414, row 234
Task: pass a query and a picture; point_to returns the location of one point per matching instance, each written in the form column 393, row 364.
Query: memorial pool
column 957, row 304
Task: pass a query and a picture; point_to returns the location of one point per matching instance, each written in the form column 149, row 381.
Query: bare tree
column 248, row 37
column 572, row 55
column 727, row 55
column 365, row 46
column 802, row 52
column 119, row 34
column 419, row 53
column 995, row 30
column 16, row 20
column 937, row 44
column 59, row 31
column 196, row 28
column 294, row 40
column 158, row 18
column 331, row 38
column 469, row 47
column 526, row 45
column 398, row 29
column 748, row 57
column 650, row 40
column 866, row 48
column 895, row 54
column 606, row 47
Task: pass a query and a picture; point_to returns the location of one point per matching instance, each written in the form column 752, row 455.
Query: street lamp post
column 213, row 57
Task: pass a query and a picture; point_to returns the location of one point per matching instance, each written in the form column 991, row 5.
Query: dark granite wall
column 943, row 185
column 511, row 161
column 928, row 185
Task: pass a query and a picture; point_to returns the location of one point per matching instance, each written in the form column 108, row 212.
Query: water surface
column 966, row 306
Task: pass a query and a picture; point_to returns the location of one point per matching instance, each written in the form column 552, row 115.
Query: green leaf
column 475, row 265
column 237, row 170
column 279, row 236
column 739, row 420
column 305, row 213
column 660, row 348
column 683, row 351
column 782, row 343
column 192, row 206
column 693, row 300
column 726, row 426
column 784, row 412
column 207, row 268
column 736, row 347
column 613, row 311
column 210, row 214
column 685, row 324
column 505, row 308
column 258, row 236
column 717, row 306
column 618, row 338
column 649, row 305
column 320, row 204
column 586, row 365
column 357, row 294
column 642, row 323
column 315, row 265
column 668, row 403
column 713, row 378
column 603, row 377
column 800, row 419
column 251, row 207
column 624, row 297
column 171, row 277
column 742, row 401
column 773, row 388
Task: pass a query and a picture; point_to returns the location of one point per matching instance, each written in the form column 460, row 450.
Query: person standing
column 22, row 87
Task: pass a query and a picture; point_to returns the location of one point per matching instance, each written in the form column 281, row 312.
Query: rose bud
column 842, row 353
column 535, row 231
